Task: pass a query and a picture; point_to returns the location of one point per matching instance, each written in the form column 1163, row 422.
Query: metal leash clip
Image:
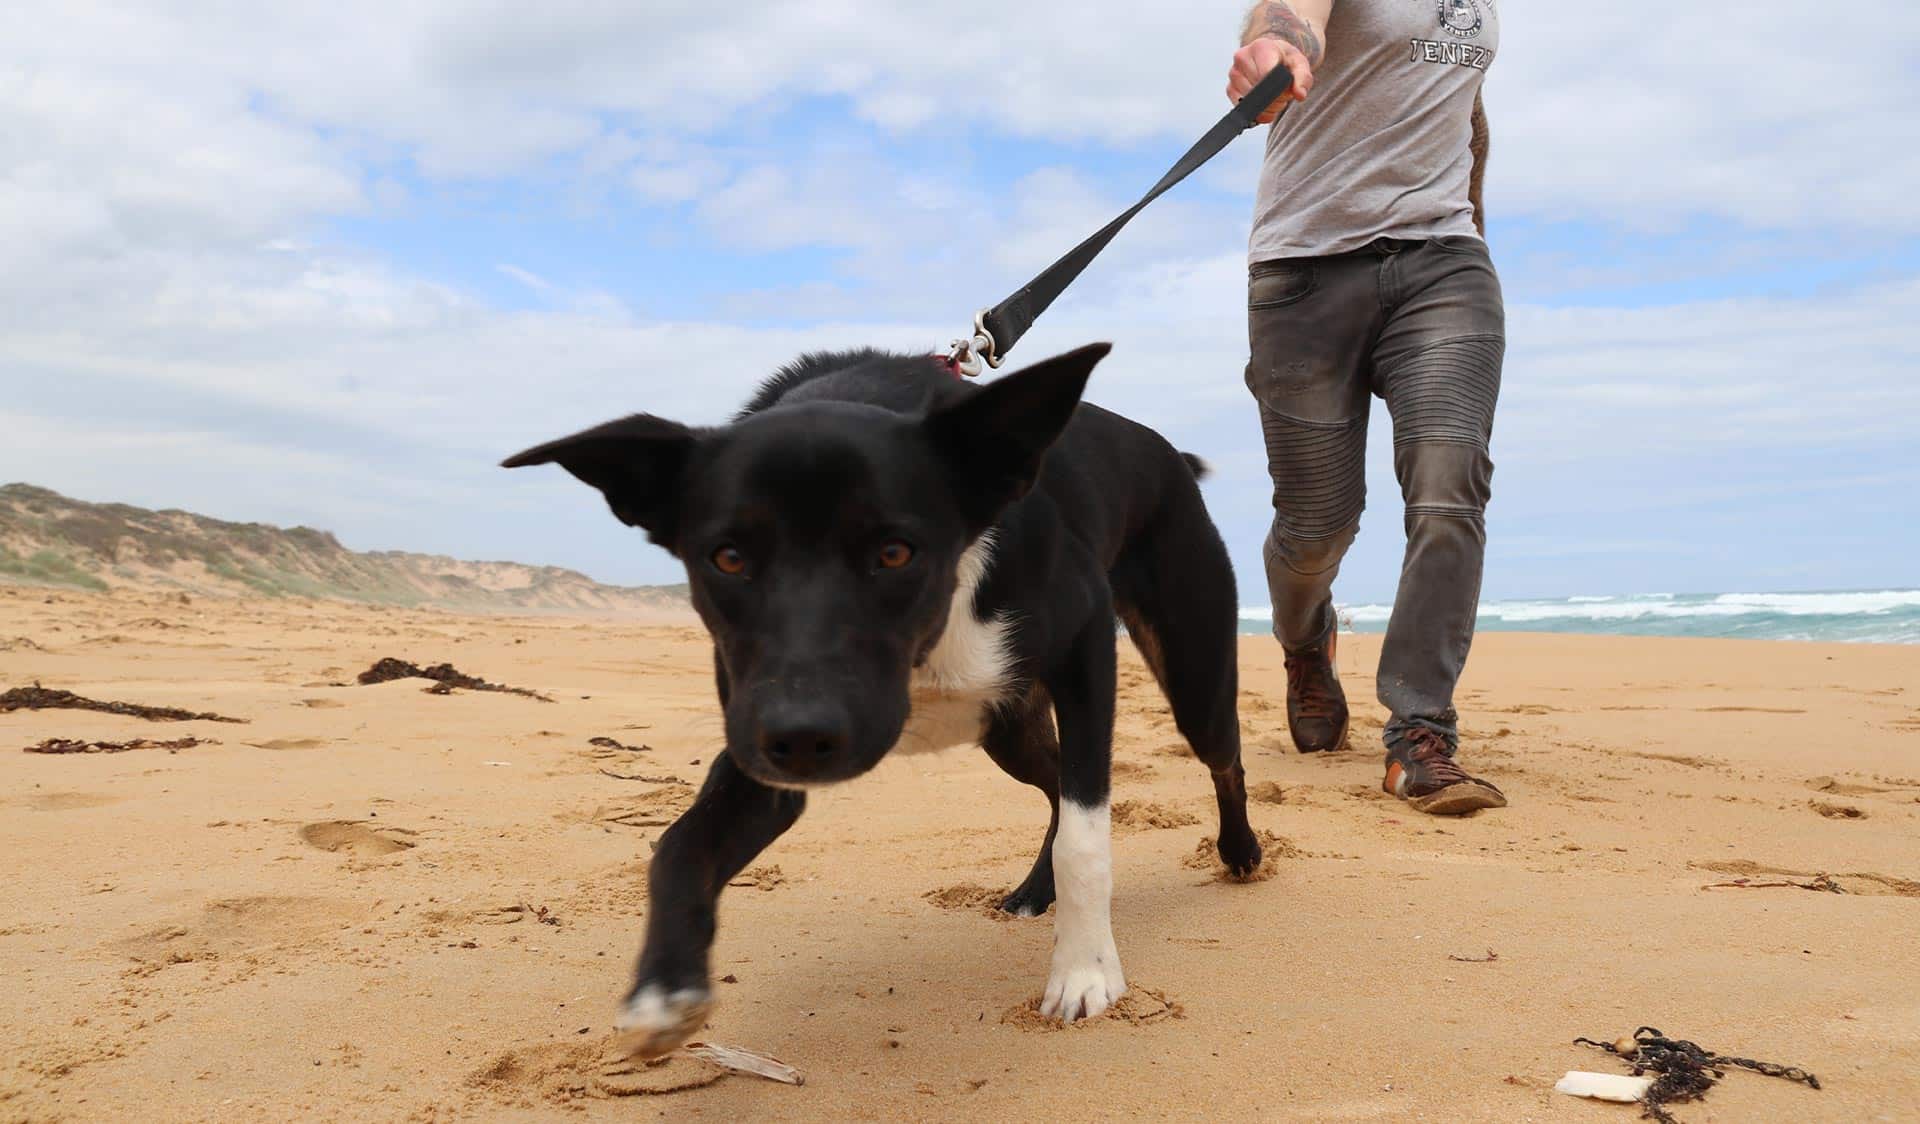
column 971, row 356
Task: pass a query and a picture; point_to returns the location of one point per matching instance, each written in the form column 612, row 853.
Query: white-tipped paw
column 655, row 1021
column 1084, row 988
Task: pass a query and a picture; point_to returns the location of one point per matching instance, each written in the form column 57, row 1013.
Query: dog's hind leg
column 1174, row 591
column 1021, row 740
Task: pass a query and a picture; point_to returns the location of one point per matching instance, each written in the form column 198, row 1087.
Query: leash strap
column 997, row 329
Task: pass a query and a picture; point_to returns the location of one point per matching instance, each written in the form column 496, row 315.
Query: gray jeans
column 1421, row 325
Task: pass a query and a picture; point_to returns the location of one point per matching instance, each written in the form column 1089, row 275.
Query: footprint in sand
column 1860, row 882
column 1140, row 1006
column 1141, row 815
column 234, row 926
column 356, row 838
column 1842, row 788
column 68, row 801
column 290, row 743
column 759, row 878
column 970, row 897
column 566, row 1073
column 658, row 808
column 1671, row 759
column 1273, row 848
column 1267, row 792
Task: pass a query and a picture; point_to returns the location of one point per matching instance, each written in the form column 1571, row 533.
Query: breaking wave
column 1890, row 616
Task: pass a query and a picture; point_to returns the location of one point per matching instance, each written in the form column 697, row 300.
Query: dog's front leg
column 734, row 818
column 1086, row 978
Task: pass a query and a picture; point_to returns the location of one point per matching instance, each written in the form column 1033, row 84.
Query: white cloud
column 164, row 171
column 526, row 277
column 675, row 182
column 1710, row 109
column 429, row 387
column 1649, row 118
column 159, row 146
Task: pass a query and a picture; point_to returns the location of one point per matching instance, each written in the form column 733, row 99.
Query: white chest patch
column 966, row 674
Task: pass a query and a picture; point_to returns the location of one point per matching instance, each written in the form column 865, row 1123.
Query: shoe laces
column 1310, row 682
column 1433, row 752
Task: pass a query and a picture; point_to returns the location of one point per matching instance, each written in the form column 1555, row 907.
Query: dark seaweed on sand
column 390, row 669
column 1684, row 1071
column 37, row 697
column 611, row 743
column 68, row 745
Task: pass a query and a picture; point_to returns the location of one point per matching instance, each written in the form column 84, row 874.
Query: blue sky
column 326, row 264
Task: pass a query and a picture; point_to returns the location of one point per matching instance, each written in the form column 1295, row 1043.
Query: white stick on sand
column 746, row 1061
column 1616, row 1087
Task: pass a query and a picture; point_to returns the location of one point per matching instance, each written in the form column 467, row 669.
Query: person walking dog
column 1369, row 274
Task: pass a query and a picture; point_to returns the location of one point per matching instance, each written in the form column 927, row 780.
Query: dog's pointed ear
column 638, row 463
column 995, row 440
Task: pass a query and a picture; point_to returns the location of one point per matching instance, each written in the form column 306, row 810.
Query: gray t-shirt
column 1379, row 148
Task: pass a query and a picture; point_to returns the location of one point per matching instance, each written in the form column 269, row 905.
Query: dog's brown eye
column 895, row 554
column 729, row 561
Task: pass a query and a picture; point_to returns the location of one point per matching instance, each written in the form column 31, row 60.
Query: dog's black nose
column 804, row 745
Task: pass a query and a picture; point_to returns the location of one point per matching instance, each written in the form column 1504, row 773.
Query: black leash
column 997, row 329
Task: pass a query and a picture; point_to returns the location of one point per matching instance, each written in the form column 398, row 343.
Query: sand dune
column 373, row 902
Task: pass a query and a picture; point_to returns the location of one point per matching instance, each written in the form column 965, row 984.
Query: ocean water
column 1888, row 616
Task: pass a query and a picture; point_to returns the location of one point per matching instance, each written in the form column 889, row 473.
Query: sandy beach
column 379, row 903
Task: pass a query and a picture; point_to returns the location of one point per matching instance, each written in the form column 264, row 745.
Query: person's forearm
column 1282, row 21
column 1478, row 146
column 1292, row 35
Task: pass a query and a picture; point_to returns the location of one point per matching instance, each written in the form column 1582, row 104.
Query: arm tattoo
column 1478, row 146
column 1278, row 21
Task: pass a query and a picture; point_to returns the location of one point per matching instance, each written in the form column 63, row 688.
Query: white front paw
column 655, row 1021
column 1083, row 987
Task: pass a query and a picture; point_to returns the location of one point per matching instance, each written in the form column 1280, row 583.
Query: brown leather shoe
column 1316, row 706
column 1421, row 771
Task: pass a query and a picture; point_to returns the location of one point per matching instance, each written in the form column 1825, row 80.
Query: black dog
column 887, row 556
